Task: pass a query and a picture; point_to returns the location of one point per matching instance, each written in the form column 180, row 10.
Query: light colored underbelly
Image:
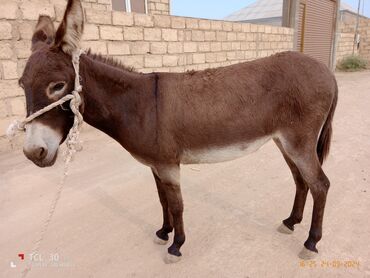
column 221, row 154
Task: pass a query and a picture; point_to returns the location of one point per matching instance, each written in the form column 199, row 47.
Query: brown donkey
column 168, row 119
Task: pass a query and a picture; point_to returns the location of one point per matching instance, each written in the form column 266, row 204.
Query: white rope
column 73, row 143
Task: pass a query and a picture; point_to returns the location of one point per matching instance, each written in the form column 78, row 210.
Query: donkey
column 168, row 119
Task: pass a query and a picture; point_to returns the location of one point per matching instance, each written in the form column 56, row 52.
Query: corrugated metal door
column 318, row 25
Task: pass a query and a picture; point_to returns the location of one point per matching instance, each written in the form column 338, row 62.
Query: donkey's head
column 47, row 77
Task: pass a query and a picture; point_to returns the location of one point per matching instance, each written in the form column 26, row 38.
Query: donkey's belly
column 221, row 154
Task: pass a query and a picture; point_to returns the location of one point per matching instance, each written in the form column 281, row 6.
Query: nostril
column 42, row 153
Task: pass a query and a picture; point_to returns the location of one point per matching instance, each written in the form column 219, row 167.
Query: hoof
column 171, row 259
column 306, row 254
column 284, row 229
column 159, row 241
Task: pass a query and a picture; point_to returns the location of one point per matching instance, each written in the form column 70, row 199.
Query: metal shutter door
column 318, row 29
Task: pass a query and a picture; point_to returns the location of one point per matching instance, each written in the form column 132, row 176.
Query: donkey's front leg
column 169, row 176
column 162, row 233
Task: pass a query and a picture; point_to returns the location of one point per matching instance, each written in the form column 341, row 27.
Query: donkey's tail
column 323, row 144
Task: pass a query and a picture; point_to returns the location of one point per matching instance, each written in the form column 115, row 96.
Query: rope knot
column 15, row 127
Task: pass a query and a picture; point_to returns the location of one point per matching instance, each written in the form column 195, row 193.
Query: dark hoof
column 162, row 234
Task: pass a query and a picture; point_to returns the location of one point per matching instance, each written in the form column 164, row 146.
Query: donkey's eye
column 59, row 86
column 55, row 89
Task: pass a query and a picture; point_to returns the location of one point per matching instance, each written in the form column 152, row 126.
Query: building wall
column 348, row 17
column 159, row 7
column 345, row 43
column 146, row 42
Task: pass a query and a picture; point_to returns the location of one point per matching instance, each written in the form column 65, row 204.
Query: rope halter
column 73, row 142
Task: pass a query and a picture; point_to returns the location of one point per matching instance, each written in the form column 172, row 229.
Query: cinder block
column 199, row 58
column 3, row 109
column 118, row 48
column 95, row 46
column 10, row 88
column 170, row 60
column 153, row 61
column 221, row 36
column 133, row 33
column 204, row 47
column 204, row 24
column 216, row 25
column 178, row 22
column 227, row 26
column 152, row 34
column 190, row 47
column 31, row 10
column 162, row 21
column 91, row 32
column 175, row 47
column 226, row 46
column 5, row 30
column 143, row 20
column 169, row 35
column 98, row 17
column 237, row 27
column 8, row 10
column 192, row 23
column 9, row 69
column 23, row 48
column 210, row 36
column 231, row 36
column 211, row 57
column 112, row 33
column 139, row 47
column 17, row 106
column 216, row 46
column 158, row 47
column 26, row 29
column 135, row 61
column 122, row 18
column 197, row 35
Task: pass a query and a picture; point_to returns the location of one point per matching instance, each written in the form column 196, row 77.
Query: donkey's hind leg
column 296, row 215
column 169, row 177
column 162, row 234
column 302, row 151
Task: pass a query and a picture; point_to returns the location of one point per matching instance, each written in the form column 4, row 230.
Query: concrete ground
column 105, row 220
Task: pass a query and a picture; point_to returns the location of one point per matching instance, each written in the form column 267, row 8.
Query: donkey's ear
column 69, row 32
column 44, row 32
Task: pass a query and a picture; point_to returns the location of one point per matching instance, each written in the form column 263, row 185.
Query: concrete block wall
column 159, row 7
column 146, row 42
column 345, row 43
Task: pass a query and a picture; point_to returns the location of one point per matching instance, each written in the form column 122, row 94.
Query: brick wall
column 345, row 43
column 159, row 7
column 146, row 42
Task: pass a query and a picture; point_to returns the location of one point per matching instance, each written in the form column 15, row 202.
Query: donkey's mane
column 110, row 61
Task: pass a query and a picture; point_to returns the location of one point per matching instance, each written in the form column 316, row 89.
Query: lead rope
column 73, row 144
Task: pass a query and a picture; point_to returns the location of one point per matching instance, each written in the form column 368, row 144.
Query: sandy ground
column 105, row 220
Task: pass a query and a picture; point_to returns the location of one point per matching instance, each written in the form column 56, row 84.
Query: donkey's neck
column 120, row 103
